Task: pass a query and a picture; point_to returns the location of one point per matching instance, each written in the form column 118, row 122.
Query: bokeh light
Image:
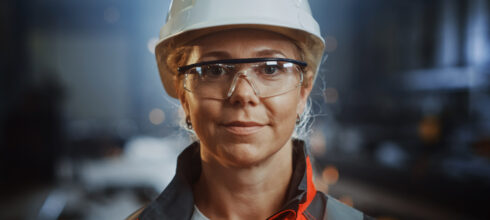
column 429, row 129
column 318, row 143
column 330, row 175
column 156, row 116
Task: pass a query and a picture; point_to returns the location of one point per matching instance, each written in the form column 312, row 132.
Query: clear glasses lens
column 267, row 78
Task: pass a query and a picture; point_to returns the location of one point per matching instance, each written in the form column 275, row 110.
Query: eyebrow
column 270, row 53
column 216, row 54
column 226, row 55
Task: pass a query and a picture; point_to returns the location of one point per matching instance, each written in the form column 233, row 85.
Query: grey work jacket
column 176, row 202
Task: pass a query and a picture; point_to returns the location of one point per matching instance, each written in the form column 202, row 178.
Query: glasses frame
column 183, row 69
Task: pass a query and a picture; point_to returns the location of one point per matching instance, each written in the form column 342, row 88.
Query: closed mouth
column 242, row 124
column 243, row 127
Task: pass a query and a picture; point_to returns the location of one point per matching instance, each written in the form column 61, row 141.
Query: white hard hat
column 190, row 19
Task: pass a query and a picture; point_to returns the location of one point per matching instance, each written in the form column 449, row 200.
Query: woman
column 243, row 71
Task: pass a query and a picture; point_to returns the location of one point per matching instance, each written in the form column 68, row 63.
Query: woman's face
column 244, row 129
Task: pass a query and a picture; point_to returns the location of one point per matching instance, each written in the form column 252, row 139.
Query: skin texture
column 240, row 164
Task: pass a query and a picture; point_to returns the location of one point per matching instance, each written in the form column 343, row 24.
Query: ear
column 305, row 91
column 182, row 96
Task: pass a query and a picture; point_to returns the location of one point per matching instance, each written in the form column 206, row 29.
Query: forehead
column 245, row 43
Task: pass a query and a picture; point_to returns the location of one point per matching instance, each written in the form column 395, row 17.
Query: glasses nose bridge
column 243, row 73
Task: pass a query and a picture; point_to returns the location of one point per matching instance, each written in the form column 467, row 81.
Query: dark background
column 402, row 104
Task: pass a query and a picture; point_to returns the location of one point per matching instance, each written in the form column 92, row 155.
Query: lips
column 243, row 127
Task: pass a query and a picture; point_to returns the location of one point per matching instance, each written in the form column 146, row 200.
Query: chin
column 244, row 155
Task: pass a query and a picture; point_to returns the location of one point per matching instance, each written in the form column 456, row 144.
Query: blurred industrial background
column 402, row 126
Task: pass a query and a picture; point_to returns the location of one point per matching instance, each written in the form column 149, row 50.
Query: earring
column 188, row 122
column 298, row 119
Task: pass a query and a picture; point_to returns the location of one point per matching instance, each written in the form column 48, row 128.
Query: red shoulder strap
column 310, row 191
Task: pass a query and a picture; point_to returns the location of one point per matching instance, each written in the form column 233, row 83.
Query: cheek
column 282, row 112
column 203, row 115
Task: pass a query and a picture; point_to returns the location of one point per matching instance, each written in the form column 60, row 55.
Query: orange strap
column 310, row 191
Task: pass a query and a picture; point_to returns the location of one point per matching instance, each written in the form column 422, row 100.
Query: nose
column 243, row 91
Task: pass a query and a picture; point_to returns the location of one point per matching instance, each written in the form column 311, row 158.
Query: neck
column 254, row 192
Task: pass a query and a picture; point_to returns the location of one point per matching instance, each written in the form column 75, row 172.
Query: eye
column 214, row 70
column 270, row 69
